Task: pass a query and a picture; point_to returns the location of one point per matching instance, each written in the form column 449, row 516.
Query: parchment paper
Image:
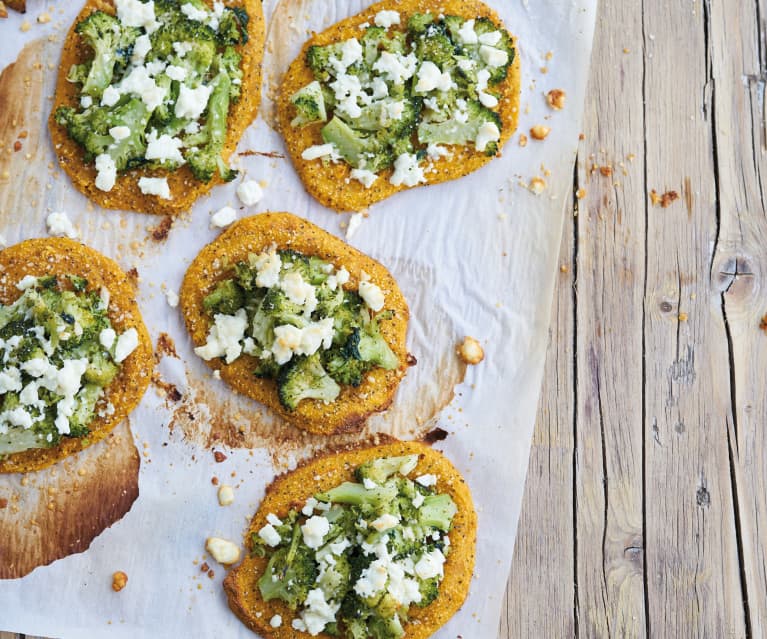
column 475, row 256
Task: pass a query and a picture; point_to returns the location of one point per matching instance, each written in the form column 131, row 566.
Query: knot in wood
column 734, row 275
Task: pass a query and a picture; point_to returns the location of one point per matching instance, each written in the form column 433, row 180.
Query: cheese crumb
column 223, row 217
column 225, row 495
column 276, row 621
column 59, row 225
column 155, row 186
column 354, row 223
column 372, row 295
column 470, row 351
column 250, row 192
column 222, row 550
column 386, row 19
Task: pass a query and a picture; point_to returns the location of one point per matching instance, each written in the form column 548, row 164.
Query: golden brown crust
column 329, row 182
column 184, row 188
column 59, row 256
column 326, row 472
column 256, row 234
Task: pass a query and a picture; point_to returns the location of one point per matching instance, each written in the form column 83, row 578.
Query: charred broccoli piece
column 226, row 298
column 310, row 105
column 233, row 26
column 305, row 378
column 418, row 22
column 290, row 573
column 112, row 45
column 379, row 470
column 437, row 511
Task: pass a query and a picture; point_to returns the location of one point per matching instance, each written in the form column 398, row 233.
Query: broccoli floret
column 429, row 589
column 318, row 60
column 436, row 46
column 226, row 298
column 79, row 284
column 305, row 378
column 267, row 369
column 453, row 25
column 345, row 370
column 335, row 579
column 373, row 348
column 112, row 45
column 379, row 470
column 206, row 160
column 312, row 269
column 419, row 21
column 485, row 25
column 200, row 37
column 233, row 26
column 437, row 511
column 454, row 132
column 290, row 573
column 385, row 628
column 378, row 499
column 362, row 152
column 310, row 105
column 229, row 61
column 78, row 73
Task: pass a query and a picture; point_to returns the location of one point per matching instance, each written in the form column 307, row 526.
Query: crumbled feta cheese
column 164, row 148
column 106, row 172
column 225, row 495
column 171, row 297
column 182, row 48
column 110, row 97
column 17, row 417
column 107, row 338
column 397, row 68
column 299, row 625
column 155, row 186
column 126, row 344
column 28, row 281
column 372, row 295
column 319, row 151
column 354, row 223
column 430, row 77
column 297, row 290
column 385, row 522
column 222, row 550
column 466, row 33
column 492, row 38
column 308, row 509
column 403, row 589
column 270, row 536
column 466, row 65
column 224, row 337
column 493, row 57
column 192, row 102
column 176, row 73
column 10, row 380
column 318, row 612
column 369, row 483
column 273, row 519
column 418, row 500
column 487, row 133
column 342, row 276
column 314, row 531
column 348, row 90
column 268, row 267
column 36, row 367
column 386, row 19
column 276, row 621
column 488, row 100
column 223, row 217
column 372, row 579
column 435, row 151
column 139, row 82
column 364, row 177
column 430, row 565
column 86, row 101
column 380, row 88
column 427, row 480
column 59, row 225
column 119, row 132
column 250, row 192
column 134, row 13
column 193, row 13
column 155, row 67
column 407, row 171
column 141, row 47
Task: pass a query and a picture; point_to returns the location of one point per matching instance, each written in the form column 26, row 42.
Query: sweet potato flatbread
column 176, row 178
column 364, row 114
column 77, row 356
column 423, row 581
column 296, row 319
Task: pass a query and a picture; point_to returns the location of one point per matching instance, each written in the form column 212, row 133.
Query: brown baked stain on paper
column 58, row 511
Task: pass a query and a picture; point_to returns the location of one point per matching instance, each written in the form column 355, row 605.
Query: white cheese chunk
column 386, row 19
column 314, row 531
column 372, row 295
column 493, row 57
column 487, row 133
column 372, row 579
column 28, row 281
column 59, row 225
column 276, row 621
column 319, row 151
column 106, row 172
column 354, row 223
column 395, row 67
column 364, row 177
column 268, row 267
column 223, row 217
column 430, row 77
column 107, row 338
column 407, row 171
column 164, row 148
column 430, row 565
column 193, row 13
column 384, row 522
column 86, row 101
column 492, row 38
column 466, row 33
column 225, row 495
column 140, row 83
column 318, row 612
column 10, row 380
column 141, row 47
column 270, row 536
column 192, row 102
column 250, row 192
column 155, row 186
column 176, row 73
column 126, row 344
column 224, row 337
column 110, row 97
column 134, row 13
column 427, row 480
column 222, row 550
column 119, row 132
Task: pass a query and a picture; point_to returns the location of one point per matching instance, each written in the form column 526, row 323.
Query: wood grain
column 667, row 348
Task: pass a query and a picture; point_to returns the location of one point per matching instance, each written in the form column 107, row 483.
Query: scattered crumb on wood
column 763, row 323
column 664, row 200
column 580, row 193
column 539, row 132
column 606, row 171
column 537, row 185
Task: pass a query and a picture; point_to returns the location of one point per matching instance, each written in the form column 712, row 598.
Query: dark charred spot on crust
column 165, row 346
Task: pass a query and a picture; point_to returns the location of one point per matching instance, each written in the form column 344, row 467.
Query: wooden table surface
column 646, row 500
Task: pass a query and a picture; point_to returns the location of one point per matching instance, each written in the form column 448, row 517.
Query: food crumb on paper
column 470, row 351
column 354, row 223
column 539, row 132
column 537, row 185
column 222, row 550
column 225, row 495
column 119, row 580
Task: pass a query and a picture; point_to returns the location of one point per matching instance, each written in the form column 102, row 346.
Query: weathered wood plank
column 546, row 534
column 693, row 574
column 739, row 271
column 610, row 271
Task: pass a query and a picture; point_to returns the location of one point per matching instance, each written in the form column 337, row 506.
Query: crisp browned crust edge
column 324, row 472
column 61, row 256
column 329, row 183
column 184, row 188
column 255, row 234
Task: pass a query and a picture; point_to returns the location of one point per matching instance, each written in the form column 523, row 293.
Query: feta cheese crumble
column 407, row 171
column 364, row 177
column 222, row 550
column 372, row 296
column 106, row 172
column 320, row 151
column 223, row 217
column 250, row 192
column 155, row 186
column 314, row 531
column 59, row 225
column 386, row 19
